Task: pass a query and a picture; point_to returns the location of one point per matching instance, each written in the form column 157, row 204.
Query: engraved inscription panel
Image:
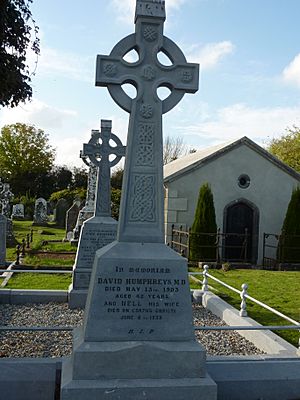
column 91, row 241
column 142, row 301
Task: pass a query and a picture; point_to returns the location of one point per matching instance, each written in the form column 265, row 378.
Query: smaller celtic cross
column 98, row 150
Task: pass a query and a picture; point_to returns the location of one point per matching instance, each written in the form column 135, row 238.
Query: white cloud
column 68, row 65
column 37, row 113
column 238, row 120
column 125, row 9
column 211, row 54
column 291, row 73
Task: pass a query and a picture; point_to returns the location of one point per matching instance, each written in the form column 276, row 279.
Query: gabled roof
column 195, row 160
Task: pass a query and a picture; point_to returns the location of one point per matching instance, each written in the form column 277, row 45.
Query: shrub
column 202, row 243
column 289, row 244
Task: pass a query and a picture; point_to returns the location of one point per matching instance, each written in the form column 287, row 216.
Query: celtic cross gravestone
column 138, row 340
column 89, row 207
column 101, row 229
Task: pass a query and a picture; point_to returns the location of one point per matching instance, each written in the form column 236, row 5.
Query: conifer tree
column 290, row 240
column 203, row 247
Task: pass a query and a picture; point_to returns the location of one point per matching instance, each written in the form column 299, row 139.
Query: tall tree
column 26, row 157
column 173, row 149
column 287, row 147
column 117, row 178
column 79, row 178
column 202, row 243
column 16, row 28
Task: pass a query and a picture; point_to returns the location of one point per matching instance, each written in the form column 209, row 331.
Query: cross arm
column 181, row 77
column 113, row 70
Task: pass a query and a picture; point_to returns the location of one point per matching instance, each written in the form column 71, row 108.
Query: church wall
column 270, row 189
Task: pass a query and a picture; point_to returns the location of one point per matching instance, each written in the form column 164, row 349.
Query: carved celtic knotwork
column 150, row 33
column 145, row 145
column 146, row 111
column 146, row 133
column 110, row 69
column 145, row 155
column 186, row 76
column 148, row 73
column 142, row 199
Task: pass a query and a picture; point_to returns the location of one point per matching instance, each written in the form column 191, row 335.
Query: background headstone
column 6, row 197
column 18, row 211
column 89, row 207
column 60, row 212
column 71, row 218
column 101, row 229
column 40, row 212
column 2, row 240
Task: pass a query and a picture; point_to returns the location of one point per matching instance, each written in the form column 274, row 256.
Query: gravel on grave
column 58, row 344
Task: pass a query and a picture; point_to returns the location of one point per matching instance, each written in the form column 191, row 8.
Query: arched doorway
column 241, row 229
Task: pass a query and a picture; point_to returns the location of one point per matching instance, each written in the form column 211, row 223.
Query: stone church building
column 251, row 190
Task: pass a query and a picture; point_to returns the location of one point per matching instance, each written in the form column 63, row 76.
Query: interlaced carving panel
column 145, row 145
column 142, row 199
column 150, row 33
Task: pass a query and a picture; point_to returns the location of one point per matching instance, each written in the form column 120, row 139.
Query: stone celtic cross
column 141, row 213
column 99, row 150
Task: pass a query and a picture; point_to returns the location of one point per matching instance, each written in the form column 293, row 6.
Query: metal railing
column 243, row 308
column 220, row 246
column 279, row 249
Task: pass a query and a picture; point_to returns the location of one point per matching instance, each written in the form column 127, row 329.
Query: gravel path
column 58, row 344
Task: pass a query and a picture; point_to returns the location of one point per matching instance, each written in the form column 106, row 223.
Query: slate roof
column 195, row 160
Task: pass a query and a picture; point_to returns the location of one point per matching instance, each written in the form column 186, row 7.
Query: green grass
column 41, row 234
column 39, row 281
column 48, row 261
column 279, row 290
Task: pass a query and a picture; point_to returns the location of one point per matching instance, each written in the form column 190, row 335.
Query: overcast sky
column 249, row 55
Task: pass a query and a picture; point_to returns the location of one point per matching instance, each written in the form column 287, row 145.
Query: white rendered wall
column 270, row 189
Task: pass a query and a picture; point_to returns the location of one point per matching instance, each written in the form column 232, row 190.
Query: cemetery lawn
column 277, row 289
column 39, row 281
column 45, row 239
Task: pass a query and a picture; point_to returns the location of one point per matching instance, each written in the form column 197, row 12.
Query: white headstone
column 18, row 211
column 138, row 339
column 40, row 211
column 6, row 197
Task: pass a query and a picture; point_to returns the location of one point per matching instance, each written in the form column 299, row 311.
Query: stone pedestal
column 96, row 232
column 137, row 341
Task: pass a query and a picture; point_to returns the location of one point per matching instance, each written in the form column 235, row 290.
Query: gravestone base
column 77, row 297
column 138, row 340
column 136, row 370
column 96, row 233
